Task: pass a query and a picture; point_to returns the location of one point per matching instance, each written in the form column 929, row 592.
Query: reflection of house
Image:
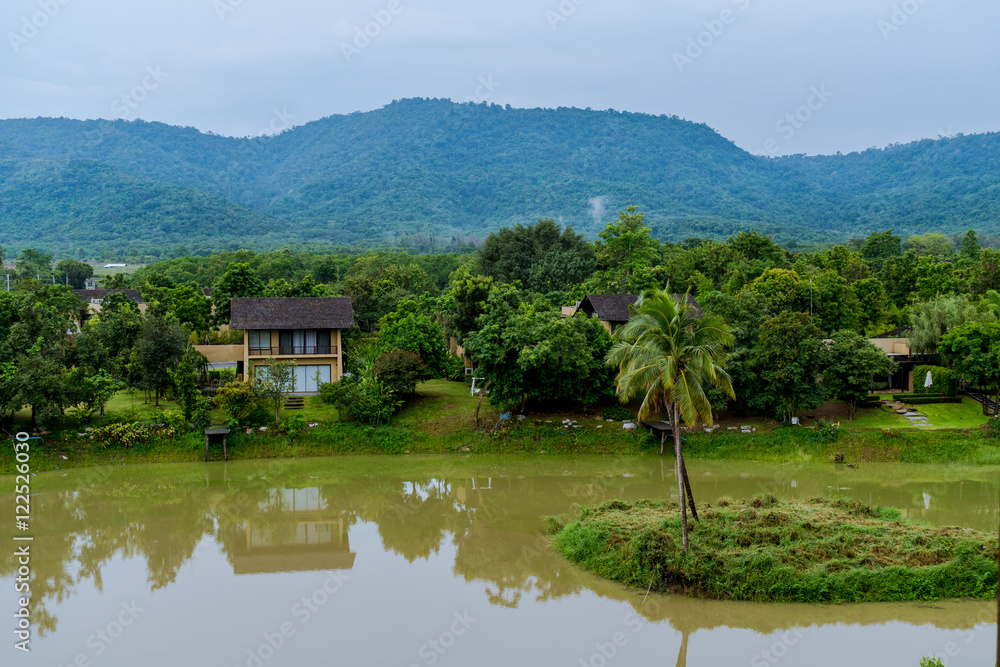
column 612, row 309
column 896, row 345
column 293, row 531
column 306, row 330
column 94, row 297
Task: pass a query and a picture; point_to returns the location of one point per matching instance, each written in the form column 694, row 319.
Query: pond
column 438, row 561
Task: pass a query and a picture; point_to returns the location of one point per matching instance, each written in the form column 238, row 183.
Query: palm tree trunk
column 680, row 476
column 687, row 489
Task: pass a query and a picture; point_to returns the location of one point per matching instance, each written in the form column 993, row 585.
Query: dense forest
column 784, row 315
column 437, row 175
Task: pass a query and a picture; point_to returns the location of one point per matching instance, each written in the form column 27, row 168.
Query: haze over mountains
column 438, row 168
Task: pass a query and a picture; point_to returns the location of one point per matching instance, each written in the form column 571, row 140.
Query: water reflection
column 282, row 518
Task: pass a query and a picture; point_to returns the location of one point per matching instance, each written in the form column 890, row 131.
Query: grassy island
column 766, row 550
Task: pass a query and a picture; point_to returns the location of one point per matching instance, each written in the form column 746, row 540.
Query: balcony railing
column 292, row 350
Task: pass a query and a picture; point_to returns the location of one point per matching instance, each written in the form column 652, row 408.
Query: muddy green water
column 436, row 561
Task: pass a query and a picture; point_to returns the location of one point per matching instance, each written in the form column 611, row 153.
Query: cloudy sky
column 775, row 76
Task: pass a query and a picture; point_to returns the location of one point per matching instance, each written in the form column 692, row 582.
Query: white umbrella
column 927, row 381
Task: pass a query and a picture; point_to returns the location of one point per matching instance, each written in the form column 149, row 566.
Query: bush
column 617, row 413
column 401, row 370
column 239, row 400
column 826, row 432
column 992, row 428
column 129, row 434
column 293, row 426
column 367, row 402
column 945, row 380
column 454, row 368
column 917, row 399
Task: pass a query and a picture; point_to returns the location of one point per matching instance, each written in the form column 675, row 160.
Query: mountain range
column 430, row 171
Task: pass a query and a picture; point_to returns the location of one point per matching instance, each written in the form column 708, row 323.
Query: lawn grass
column 767, row 550
column 965, row 415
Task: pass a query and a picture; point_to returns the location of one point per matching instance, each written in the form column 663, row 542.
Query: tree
column 783, row 290
column 36, row 320
column 851, row 363
column 117, row 302
column 881, row 247
column 971, row 249
column 933, row 318
column 543, row 257
column 185, row 379
column 377, row 283
column 407, row 328
column 932, row 244
column 275, row 380
column 668, row 355
column 401, row 370
column 99, row 388
column 787, row 358
column 75, row 272
column 160, row 347
column 238, row 281
column 470, row 294
column 872, row 304
column 527, row 352
column 626, row 246
column 974, row 350
column 33, row 263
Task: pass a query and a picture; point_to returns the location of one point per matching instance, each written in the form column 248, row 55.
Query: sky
column 774, row 76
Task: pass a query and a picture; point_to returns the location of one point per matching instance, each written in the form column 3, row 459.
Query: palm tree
column 667, row 353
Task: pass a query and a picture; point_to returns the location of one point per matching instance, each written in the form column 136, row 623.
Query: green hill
column 435, row 167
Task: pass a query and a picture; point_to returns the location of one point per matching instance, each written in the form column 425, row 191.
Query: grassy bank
column 770, row 551
column 857, row 445
column 439, row 420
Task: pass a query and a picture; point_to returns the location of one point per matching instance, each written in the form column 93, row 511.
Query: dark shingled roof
column 87, row 294
column 614, row 307
column 292, row 313
column 901, row 332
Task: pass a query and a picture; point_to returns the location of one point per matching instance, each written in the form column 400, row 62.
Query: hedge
column 945, row 380
column 927, row 400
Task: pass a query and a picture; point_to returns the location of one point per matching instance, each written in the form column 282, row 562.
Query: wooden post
column 224, row 452
column 207, row 436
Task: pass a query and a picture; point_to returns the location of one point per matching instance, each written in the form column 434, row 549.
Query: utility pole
column 8, row 282
column 810, row 297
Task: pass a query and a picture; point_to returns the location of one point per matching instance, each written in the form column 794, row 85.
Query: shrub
column 617, row 413
column 128, row 434
column 992, row 428
column 454, row 368
column 931, row 662
column 293, row 426
column 201, row 417
column 945, row 380
column 238, row 399
column 826, row 432
column 401, row 370
column 367, row 402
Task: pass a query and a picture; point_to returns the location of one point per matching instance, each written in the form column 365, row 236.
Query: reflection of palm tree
column 682, row 654
column 668, row 354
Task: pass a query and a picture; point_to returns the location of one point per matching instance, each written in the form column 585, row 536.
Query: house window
column 304, row 341
column 305, row 377
column 260, row 339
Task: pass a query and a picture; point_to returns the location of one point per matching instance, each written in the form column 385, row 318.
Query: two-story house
column 306, row 330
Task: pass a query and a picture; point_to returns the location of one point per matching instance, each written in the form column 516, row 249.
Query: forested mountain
column 433, row 167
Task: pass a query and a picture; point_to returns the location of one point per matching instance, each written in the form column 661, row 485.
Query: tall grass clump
column 766, row 550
